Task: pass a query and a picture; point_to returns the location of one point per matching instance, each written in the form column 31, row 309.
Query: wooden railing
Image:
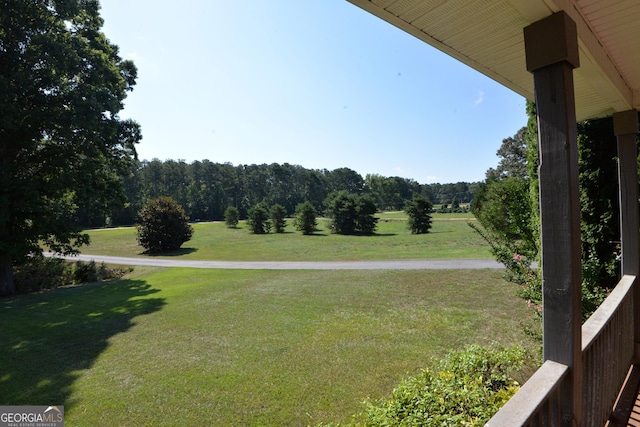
column 607, row 355
column 607, row 352
column 536, row 403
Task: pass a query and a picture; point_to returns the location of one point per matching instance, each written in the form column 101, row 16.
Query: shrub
column 231, row 216
column 503, row 210
column 341, row 208
column 351, row 213
column 163, row 226
column 419, row 212
column 278, row 214
column 92, row 272
column 258, row 219
column 305, row 218
column 86, row 272
column 366, row 208
column 465, row 388
column 38, row 273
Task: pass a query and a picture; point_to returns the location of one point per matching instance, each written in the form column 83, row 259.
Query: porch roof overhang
column 487, row 35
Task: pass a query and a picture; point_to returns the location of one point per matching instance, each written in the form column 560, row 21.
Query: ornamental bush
column 258, row 219
column 231, row 217
column 163, row 226
column 278, row 214
column 305, row 218
column 366, row 222
column 38, row 273
column 466, row 388
column 351, row 213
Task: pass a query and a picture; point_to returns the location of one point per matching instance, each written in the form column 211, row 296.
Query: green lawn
column 451, row 238
column 167, row 347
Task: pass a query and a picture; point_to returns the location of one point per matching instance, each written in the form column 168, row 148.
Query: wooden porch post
column 551, row 47
column 625, row 126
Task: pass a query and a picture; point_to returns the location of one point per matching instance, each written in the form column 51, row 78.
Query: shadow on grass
column 372, row 236
column 48, row 339
column 177, row 252
column 356, row 235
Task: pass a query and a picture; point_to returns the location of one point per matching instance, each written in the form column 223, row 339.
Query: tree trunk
column 7, row 285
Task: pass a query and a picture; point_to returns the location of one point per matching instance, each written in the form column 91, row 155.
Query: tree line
column 206, row 189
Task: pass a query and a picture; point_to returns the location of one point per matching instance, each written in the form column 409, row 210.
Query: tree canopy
column 62, row 143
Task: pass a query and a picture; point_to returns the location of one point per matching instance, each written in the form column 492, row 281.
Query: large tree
column 62, row 143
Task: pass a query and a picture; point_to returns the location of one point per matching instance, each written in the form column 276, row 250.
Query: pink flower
column 517, row 257
column 536, row 307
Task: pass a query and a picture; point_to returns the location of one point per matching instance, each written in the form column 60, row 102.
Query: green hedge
column 40, row 273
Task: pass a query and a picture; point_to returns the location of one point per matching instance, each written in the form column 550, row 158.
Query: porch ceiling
column 487, row 36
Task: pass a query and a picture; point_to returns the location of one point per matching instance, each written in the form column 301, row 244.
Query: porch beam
column 625, row 127
column 551, row 47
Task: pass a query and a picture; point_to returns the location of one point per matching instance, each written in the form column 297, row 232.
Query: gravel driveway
column 443, row 264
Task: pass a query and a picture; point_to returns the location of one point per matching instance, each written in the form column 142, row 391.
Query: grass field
column 229, row 347
column 168, row 347
column 450, row 238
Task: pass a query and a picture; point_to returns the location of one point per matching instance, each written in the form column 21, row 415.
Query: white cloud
column 480, row 98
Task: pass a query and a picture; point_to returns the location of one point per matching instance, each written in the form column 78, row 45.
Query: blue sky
column 321, row 84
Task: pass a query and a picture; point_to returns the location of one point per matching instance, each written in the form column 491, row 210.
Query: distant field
column 450, row 238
